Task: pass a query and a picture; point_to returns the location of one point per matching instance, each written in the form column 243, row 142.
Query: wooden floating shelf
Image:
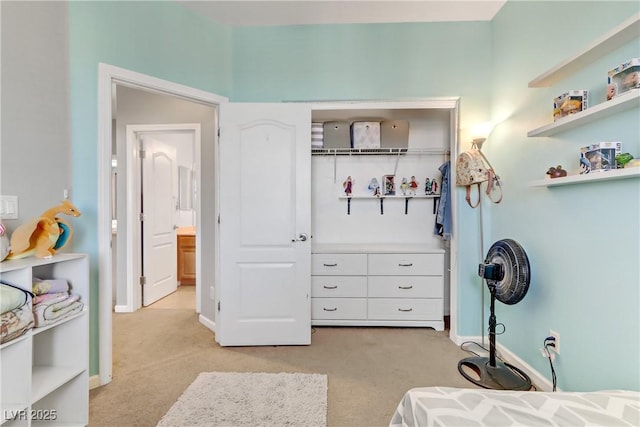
column 590, row 177
column 626, row 101
column 618, row 36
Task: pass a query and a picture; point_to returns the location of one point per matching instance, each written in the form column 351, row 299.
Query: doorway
column 165, row 214
column 206, row 242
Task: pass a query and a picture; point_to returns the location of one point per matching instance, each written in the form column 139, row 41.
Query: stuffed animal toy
column 43, row 236
column 4, row 243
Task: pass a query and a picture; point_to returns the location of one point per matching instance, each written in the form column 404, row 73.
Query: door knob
column 302, row 237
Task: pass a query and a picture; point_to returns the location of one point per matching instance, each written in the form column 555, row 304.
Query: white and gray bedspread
column 445, row 406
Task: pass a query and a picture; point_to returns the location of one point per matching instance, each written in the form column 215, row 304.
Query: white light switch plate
column 9, row 207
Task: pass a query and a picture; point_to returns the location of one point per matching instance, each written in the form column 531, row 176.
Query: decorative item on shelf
column 348, row 188
column 428, row 186
column 434, row 186
column 585, row 164
column 348, row 185
column 404, row 186
column 601, row 156
column 623, row 78
column 389, row 182
column 556, row 172
column 569, row 103
column 623, row 159
column 413, row 185
column 374, row 187
column 45, row 235
column 4, row 242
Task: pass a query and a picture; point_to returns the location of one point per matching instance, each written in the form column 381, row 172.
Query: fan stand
column 491, row 373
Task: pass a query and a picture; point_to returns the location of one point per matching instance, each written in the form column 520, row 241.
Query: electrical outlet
column 555, row 335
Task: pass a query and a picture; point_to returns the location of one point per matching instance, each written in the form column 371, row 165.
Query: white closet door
column 265, row 224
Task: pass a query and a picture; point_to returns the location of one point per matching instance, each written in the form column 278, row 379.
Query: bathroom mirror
column 185, row 188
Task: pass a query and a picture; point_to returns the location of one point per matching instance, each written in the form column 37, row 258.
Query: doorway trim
column 107, row 76
column 134, row 235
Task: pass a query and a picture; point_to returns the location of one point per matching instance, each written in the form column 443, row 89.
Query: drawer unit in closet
column 377, row 286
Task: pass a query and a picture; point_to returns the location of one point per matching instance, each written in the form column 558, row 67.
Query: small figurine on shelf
column 389, row 185
column 434, row 186
column 413, row 185
column 348, row 186
column 374, row 186
column 556, row 172
column 428, row 186
column 404, row 185
column 585, row 164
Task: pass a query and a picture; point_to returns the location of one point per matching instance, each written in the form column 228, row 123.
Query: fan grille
column 517, row 274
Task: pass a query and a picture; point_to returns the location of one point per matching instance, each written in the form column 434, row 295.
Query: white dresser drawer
column 405, row 287
column 339, row 264
column 405, row 309
column 339, row 308
column 406, row 264
column 339, row 286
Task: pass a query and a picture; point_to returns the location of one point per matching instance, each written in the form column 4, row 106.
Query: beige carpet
column 243, row 399
column 158, row 353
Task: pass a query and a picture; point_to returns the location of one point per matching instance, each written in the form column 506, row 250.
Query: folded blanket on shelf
column 15, row 323
column 47, row 314
column 49, row 286
column 50, row 298
column 11, row 297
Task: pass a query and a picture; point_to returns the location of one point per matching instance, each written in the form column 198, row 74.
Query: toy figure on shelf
column 413, row 185
column 585, row 164
column 45, row 235
column 374, row 186
column 404, row 185
column 428, row 187
column 389, row 185
column 348, row 186
column 434, row 186
column 556, row 172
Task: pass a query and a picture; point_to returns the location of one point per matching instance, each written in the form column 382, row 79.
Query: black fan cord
column 549, row 342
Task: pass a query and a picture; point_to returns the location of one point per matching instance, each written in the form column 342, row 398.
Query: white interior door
column 265, row 209
column 159, row 206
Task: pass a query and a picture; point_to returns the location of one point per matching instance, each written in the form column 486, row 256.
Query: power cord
column 550, row 342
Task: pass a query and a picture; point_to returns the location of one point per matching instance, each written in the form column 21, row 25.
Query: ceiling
column 302, row 12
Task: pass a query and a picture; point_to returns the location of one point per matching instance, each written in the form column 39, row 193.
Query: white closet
column 376, row 261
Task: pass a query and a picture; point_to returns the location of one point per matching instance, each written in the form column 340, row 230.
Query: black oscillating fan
column 506, row 271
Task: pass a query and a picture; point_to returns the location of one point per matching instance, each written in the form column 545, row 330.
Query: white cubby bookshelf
column 45, row 372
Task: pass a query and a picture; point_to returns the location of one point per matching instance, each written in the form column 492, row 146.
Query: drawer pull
column 405, row 309
column 405, row 287
column 330, row 287
column 330, row 265
column 330, row 309
column 406, row 265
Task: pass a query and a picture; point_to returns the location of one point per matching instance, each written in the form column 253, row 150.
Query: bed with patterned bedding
column 444, row 406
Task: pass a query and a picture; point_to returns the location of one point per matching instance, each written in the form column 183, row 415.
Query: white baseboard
column 539, row 380
column 207, row 322
column 122, row 309
column 94, row 382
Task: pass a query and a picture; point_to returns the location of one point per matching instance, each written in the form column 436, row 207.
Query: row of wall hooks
column 435, row 197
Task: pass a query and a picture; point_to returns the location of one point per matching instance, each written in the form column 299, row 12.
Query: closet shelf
column 377, row 151
column 623, row 102
column 430, row 196
column 618, row 36
column 590, row 177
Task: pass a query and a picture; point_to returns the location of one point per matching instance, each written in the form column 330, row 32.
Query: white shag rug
column 251, row 399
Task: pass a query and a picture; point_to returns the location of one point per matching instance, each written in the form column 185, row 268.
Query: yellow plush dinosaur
column 43, row 236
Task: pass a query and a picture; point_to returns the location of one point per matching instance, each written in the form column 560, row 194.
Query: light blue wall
column 582, row 240
column 161, row 39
